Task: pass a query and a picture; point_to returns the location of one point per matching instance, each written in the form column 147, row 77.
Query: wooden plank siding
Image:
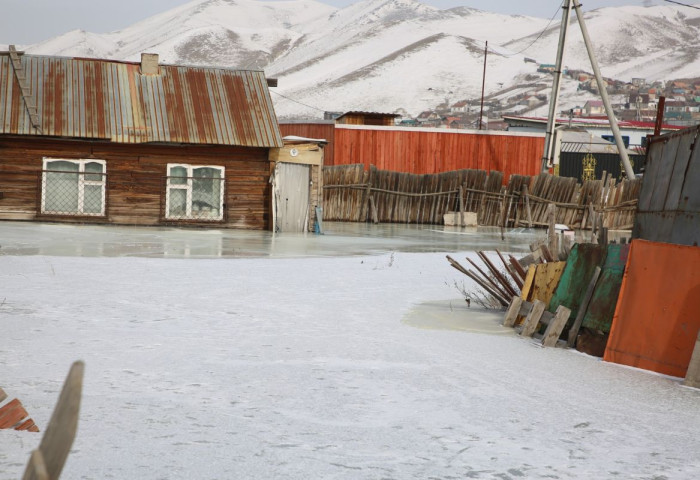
column 136, row 180
column 425, row 151
column 325, row 131
column 429, row 152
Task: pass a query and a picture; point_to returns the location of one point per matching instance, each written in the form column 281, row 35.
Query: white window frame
column 188, row 188
column 82, row 182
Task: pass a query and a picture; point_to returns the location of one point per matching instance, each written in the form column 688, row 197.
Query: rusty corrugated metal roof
column 110, row 100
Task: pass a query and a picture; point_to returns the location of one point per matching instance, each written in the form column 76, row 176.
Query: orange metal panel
column 656, row 321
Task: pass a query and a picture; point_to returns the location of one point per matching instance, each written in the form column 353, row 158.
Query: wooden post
column 59, row 435
column 512, row 313
column 552, row 242
column 365, row 202
column 461, row 206
column 533, row 318
column 373, row 207
column 692, row 376
column 527, row 206
column 573, row 333
column 556, row 325
column 502, row 213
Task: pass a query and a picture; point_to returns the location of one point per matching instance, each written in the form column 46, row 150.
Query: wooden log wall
column 136, row 176
column 350, row 193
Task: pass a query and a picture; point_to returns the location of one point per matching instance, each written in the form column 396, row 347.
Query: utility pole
column 604, row 93
column 483, row 86
column 556, row 87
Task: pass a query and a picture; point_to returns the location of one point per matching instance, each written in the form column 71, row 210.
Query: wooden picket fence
column 355, row 195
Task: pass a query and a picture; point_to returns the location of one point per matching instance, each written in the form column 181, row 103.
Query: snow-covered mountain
column 387, row 55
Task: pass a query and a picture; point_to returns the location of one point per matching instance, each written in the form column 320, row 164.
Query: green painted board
column 602, row 307
column 580, row 265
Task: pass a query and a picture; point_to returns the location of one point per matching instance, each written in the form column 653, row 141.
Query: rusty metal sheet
column 656, row 321
column 601, row 308
column 102, row 99
column 577, row 274
column 669, row 201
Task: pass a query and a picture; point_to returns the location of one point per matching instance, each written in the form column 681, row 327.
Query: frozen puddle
column 455, row 315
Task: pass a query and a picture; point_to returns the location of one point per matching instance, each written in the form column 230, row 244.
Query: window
column 73, row 187
column 194, row 192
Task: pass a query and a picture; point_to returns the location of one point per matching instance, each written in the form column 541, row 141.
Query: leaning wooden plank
column 3, row 395
column 488, row 288
column 511, row 271
column 512, row 312
column 546, row 254
column 517, row 266
column 583, row 308
column 494, row 284
column 528, row 283
column 36, row 468
column 455, row 264
column 60, row 433
column 555, row 327
column 499, row 276
column 692, row 376
column 533, row 319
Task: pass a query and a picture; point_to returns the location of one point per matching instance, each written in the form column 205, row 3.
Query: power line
column 683, row 4
column 296, row 101
column 541, row 33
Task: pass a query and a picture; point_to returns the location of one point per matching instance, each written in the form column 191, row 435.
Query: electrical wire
column 541, row 33
column 296, row 101
column 683, row 4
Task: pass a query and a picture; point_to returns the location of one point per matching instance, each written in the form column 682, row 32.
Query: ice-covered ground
column 292, row 367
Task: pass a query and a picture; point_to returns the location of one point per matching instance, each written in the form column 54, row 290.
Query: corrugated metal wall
column 422, row 151
column 669, row 201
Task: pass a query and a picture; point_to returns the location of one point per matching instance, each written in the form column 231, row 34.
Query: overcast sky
column 31, row 21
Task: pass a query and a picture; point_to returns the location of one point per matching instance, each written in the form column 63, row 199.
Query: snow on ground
column 298, row 368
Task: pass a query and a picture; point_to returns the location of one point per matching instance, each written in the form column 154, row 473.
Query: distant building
column 460, row 107
column 636, row 132
column 593, row 108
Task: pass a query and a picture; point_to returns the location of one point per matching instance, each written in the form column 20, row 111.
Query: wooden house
column 100, row 141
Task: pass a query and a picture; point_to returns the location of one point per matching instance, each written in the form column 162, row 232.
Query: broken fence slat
column 573, row 333
column 512, row 312
column 555, row 327
column 60, row 433
column 517, row 266
column 511, row 271
column 533, row 319
column 36, row 468
column 501, row 279
column 496, row 285
column 488, row 288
